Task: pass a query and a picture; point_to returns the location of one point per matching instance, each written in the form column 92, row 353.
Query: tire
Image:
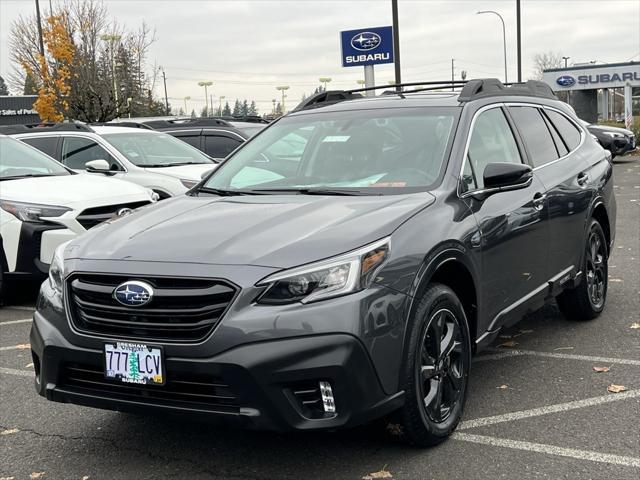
column 586, row 301
column 2, row 286
column 435, row 383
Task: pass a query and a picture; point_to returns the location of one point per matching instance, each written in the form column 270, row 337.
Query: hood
column 278, row 231
column 69, row 190
column 187, row 172
column 606, row 128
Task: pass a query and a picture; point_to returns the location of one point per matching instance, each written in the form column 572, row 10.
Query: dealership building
column 599, row 92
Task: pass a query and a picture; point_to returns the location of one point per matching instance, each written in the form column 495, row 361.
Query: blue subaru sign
column 367, row 46
column 566, row 81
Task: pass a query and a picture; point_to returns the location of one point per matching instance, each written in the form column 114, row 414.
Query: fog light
column 328, row 403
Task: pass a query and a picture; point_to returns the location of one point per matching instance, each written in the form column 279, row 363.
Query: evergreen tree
column 204, row 112
column 193, row 114
column 3, row 87
column 237, row 108
column 245, row 108
column 181, row 112
column 253, row 109
column 226, row 111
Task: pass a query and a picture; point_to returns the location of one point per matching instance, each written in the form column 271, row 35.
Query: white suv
column 44, row 204
column 152, row 159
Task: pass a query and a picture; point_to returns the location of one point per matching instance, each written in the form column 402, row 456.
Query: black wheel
column 2, row 286
column 586, row 301
column 436, row 368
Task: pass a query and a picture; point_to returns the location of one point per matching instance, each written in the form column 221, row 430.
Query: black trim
column 28, row 257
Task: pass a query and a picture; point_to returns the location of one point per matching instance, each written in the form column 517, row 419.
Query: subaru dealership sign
column 367, row 46
column 590, row 77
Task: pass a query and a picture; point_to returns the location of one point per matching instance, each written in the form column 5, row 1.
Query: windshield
column 369, row 151
column 18, row 160
column 155, row 149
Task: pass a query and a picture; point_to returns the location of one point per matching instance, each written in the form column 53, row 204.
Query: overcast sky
column 248, row 47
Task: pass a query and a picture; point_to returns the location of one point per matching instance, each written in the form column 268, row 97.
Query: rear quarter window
column 46, row 145
column 536, row 135
column 567, row 130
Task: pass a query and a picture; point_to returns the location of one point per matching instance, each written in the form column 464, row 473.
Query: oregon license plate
column 134, row 363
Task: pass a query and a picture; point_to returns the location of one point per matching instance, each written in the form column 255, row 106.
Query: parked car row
column 617, row 140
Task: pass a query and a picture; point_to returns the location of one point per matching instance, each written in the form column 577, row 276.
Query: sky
column 248, row 47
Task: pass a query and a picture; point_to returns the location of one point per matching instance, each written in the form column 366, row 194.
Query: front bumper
column 260, row 385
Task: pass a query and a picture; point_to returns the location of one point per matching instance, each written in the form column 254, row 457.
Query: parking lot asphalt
column 536, row 409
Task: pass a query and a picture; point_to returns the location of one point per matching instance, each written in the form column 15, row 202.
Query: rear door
column 513, row 224
column 551, row 141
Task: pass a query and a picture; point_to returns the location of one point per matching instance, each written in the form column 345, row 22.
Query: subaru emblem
column 566, row 81
column 133, row 293
column 365, row 41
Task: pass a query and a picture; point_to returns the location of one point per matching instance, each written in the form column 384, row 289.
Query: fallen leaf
column 503, row 387
column 394, row 429
column 601, row 369
column 564, row 348
column 635, row 325
column 23, row 346
column 29, row 365
column 35, row 475
column 613, row 388
column 380, row 474
column 9, row 431
column 509, row 344
column 86, row 477
column 7, row 478
column 505, row 336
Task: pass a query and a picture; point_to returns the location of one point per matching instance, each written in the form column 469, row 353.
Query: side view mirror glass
column 97, row 166
column 507, row 176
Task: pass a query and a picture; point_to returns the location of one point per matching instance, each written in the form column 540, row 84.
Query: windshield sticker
column 389, row 184
column 336, row 138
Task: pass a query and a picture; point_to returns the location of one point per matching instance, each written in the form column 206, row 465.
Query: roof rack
column 122, row 124
column 471, row 90
column 191, row 122
column 243, row 118
column 46, row 127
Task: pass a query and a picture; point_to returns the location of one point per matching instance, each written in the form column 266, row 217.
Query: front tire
column 586, row 301
column 436, row 368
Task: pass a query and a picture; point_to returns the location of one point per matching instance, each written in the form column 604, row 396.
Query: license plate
column 134, row 363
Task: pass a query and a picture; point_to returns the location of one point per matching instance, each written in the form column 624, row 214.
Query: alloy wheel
column 596, row 270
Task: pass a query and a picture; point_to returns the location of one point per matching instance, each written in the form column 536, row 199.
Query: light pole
column 396, row 43
column 519, row 40
column 565, row 61
column 185, row 103
column 274, row 106
column 206, row 95
column 283, row 88
column 113, row 39
column 325, row 80
column 504, row 39
column 222, row 97
column 166, row 99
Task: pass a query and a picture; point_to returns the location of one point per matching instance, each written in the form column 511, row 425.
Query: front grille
column 181, row 310
column 93, row 216
column 181, row 389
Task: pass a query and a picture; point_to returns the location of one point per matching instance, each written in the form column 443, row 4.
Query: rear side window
column 217, row 146
column 568, row 131
column 491, row 141
column 44, row 144
column 77, row 151
column 193, row 140
column 536, row 135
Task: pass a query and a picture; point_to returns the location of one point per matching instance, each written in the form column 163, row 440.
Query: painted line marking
column 548, row 449
column 20, row 307
column 566, row 356
column 22, row 346
column 559, row 407
column 13, row 371
column 13, row 322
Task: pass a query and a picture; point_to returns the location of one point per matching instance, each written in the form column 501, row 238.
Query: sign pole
column 369, row 79
column 628, row 107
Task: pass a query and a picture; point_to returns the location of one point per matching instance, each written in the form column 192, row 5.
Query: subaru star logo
column 133, row 293
column 566, row 81
column 365, row 41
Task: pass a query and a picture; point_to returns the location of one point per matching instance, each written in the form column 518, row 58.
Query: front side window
column 535, row 134
column 18, row 160
column 147, row 149
column 366, row 151
column 77, row 151
column 491, row 141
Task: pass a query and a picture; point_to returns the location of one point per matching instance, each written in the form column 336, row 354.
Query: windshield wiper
column 225, row 193
column 310, row 191
column 29, row 175
column 175, row 164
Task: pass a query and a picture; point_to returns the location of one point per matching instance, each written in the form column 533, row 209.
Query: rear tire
column 436, row 368
column 586, row 301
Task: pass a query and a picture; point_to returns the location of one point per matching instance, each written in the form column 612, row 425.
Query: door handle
column 582, row 179
column 538, row 200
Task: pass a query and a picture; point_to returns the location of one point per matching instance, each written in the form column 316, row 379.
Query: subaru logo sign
column 365, row 41
column 566, row 81
column 133, row 293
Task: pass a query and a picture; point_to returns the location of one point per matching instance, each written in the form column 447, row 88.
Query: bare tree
column 545, row 60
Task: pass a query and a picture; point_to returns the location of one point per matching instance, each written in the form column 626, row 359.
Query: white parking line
column 20, row 307
column 13, row 371
column 566, row 356
column 548, row 449
column 559, row 407
column 24, row 346
column 13, row 322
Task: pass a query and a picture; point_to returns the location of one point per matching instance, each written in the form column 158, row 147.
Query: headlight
column 188, row 183
column 56, row 269
column 32, row 212
column 614, row 134
column 326, row 279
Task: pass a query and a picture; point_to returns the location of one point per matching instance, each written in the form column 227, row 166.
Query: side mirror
column 507, row 176
column 97, row 166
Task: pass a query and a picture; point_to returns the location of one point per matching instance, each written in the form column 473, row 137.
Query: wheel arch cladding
column 600, row 214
